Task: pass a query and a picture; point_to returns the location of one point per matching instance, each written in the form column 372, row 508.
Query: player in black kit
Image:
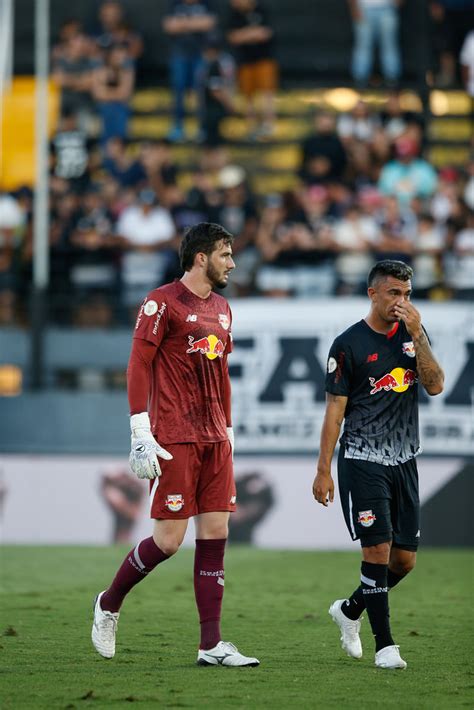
column 372, row 379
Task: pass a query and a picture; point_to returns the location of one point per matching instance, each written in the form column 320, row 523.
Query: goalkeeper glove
column 145, row 449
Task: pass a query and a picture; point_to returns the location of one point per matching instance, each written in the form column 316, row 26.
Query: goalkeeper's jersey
column 189, row 371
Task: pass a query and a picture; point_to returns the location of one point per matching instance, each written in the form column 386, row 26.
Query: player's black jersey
column 378, row 374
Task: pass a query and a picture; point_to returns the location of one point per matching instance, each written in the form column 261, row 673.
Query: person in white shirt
column 148, row 233
column 466, row 60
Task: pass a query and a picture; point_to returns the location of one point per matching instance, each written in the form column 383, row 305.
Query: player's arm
column 226, row 403
column 145, row 450
column 323, row 486
column 430, row 372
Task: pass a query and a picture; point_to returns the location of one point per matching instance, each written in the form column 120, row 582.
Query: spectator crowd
column 118, row 210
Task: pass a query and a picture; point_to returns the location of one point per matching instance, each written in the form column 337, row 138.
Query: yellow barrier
column 17, row 132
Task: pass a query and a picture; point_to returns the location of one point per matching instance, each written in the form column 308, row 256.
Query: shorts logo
column 409, row 349
column 366, row 518
column 150, row 308
column 175, row 502
column 224, row 320
column 233, row 500
column 332, row 364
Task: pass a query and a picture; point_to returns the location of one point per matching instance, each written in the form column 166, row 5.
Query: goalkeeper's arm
column 145, row 450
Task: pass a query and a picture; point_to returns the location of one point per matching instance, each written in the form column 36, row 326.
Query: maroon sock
column 209, row 589
column 135, row 567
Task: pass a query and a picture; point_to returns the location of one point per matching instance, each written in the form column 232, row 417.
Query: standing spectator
column 407, row 176
column 70, row 153
column 375, row 22
column 69, row 28
column 323, row 154
column 147, row 231
column 112, row 89
column 113, row 29
column 73, row 72
column 127, row 170
column 250, row 34
column 187, row 24
column 216, row 87
column 452, row 19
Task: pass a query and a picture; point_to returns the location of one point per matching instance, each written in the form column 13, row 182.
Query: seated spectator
column 297, row 261
column 396, row 232
column 216, row 89
column 147, row 233
column 236, row 212
column 113, row 29
column 358, row 125
column 73, row 73
column 396, row 121
column 251, row 36
column 118, row 163
column 428, row 245
column 460, row 262
column 112, row 88
column 407, row 176
column 161, row 170
column 187, row 24
column 12, row 232
column 444, row 201
column 354, row 235
column 70, row 154
column 324, row 157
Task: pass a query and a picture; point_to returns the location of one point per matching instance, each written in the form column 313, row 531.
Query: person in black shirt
column 372, row 379
column 216, row 83
column 324, row 157
column 252, row 38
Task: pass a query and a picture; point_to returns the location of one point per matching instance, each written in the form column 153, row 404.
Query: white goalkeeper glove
column 145, row 449
column 230, row 436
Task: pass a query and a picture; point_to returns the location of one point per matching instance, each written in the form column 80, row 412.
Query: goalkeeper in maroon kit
column 182, row 437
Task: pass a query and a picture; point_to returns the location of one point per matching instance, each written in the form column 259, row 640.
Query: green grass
column 275, row 607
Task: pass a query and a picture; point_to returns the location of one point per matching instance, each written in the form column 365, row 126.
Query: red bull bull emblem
column 224, row 320
column 174, row 502
column 210, row 346
column 398, row 380
column 409, row 349
column 366, row 518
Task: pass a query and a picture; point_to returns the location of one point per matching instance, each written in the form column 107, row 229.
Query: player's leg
column 215, row 498
column 138, row 563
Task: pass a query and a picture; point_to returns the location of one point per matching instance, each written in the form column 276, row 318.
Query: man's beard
column 213, row 276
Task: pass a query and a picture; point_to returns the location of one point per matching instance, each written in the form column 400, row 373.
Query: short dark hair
column 389, row 267
column 201, row 238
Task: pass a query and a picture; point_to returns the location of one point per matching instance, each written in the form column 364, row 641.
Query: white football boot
column 224, row 654
column 104, row 629
column 389, row 657
column 349, row 629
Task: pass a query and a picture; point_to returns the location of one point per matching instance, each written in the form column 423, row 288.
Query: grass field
column 275, row 607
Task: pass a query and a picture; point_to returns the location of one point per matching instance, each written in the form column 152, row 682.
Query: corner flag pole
column 41, row 194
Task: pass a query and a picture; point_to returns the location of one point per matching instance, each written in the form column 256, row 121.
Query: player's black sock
column 355, row 605
column 375, row 590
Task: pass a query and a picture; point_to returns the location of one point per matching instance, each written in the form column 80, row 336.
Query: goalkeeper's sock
column 355, row 605
column 375, row 590
column 209, row 589
column 135, row 567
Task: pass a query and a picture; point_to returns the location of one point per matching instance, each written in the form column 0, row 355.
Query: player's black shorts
column 380, row 503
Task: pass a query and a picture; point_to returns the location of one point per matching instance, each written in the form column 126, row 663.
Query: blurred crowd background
column 362, row 186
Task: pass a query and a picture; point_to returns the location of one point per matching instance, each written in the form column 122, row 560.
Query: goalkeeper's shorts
column 198, row 479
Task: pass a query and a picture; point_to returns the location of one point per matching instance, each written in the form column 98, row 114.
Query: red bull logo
column 174, row 502
column 398, row 380
column 366, row 518
column 210, row 346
